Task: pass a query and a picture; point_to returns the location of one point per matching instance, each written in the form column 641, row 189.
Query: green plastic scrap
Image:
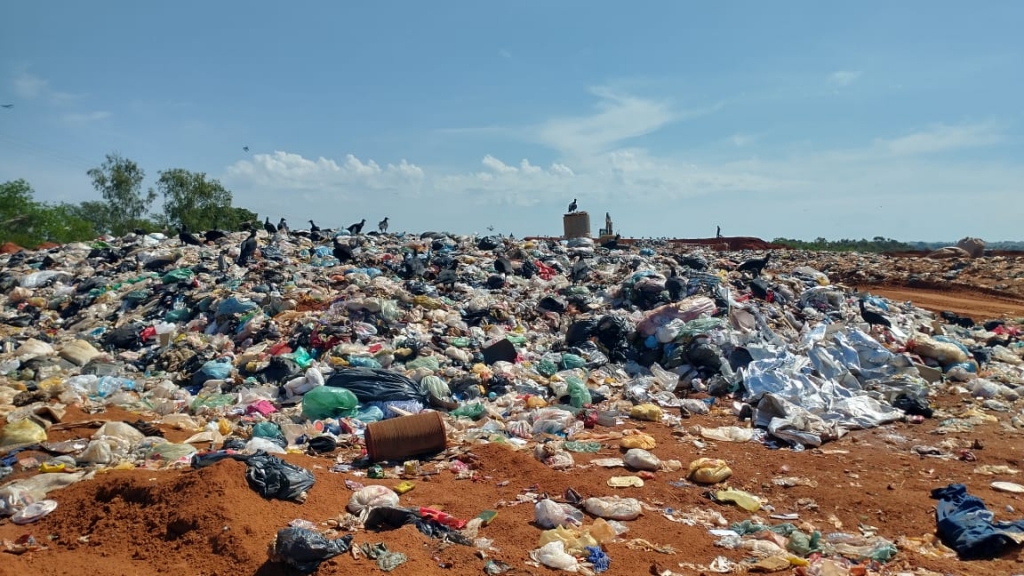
column 587, row 447
column 546, row 368
column 386, row 559
column 698, row 327
column 179, row 276
column 472, row 411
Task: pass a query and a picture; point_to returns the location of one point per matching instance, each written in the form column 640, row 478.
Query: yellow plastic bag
column 651, row 412
column 709, row 471
column 642, row 441
column 22, row 432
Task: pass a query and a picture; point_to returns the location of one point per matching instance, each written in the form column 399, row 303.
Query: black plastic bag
column 275, row 478
column 580, row 331
column 612, row 332
column 913, row 406
column 501, row 351
column 280, row 370
column 388, row 518
column 322, row 444
column 377, row 385
column 305, row 549
column 551, row 304
column 488, row 243
column 126, row 337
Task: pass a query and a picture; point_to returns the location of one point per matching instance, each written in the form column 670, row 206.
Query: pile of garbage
column 409, row 346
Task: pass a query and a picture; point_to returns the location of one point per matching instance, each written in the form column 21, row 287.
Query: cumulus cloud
column 289, row 171
column 942, row 137
column 845, row 77
column 594, row 161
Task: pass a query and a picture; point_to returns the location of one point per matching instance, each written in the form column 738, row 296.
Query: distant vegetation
column 190, row 199
column 876, row 244
column 880, row 244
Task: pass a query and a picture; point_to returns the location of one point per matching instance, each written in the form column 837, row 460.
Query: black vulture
column 873, row 318
column 357, row 228
column 187, row 237
column 214, row 235
column 248, row 249
column 572, row 207
column 755, row 265
column 270, row 228
column 342, row 251
column 282, row 226
column 383, row 225
column 503, row 266
column 674, row 285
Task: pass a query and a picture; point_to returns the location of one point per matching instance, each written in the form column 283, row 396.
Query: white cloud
column 618, row 117
column 845, row 77
column 81, row 118
column 288, row 171
column 30, row 87
column 760, row 187
column 941, row 137
column 505, row 54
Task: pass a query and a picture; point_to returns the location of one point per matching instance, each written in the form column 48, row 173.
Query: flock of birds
column 447, row 267
column 248, row 247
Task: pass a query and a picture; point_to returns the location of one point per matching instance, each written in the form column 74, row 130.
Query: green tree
column 28, row 223
column 193, row 200
column 119, row 181
column 93, row 212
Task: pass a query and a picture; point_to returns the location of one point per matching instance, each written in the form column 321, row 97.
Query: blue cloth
column 598, row 558
column 965, row 525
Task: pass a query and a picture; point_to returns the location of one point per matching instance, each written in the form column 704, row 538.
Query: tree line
column 820, row 244
column 190, row 199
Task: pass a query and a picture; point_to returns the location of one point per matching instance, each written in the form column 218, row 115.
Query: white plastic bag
column 641, row 459
column 553, row 555
column 549, row 514
column 374, row 496
column 613, row 507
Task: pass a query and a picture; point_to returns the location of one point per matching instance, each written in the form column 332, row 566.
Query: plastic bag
column 549, row 514
column 613, row 507
column 377, row 385
column 709, row 471
column 275, row 478
column 305, row 549
column 651, row 412
column 374, row 496
column 553, row 555
column 641, row 459
column 551, row 421
column 23, row 432
column 327, row 402
column 578, row 393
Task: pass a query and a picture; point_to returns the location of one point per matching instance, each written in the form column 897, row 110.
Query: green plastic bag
column 579, row 395
column 472, row 411
column 178, row 315
column 267, row 430
column 546, row 368
column 179, row 276
column 329, row 402
column 302, row 358
column 570, row 361
column 428, row 362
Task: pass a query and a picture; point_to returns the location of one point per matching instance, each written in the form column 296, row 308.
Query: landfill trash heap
column 313, row 343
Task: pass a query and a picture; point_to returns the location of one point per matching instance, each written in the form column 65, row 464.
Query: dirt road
column 975, row 305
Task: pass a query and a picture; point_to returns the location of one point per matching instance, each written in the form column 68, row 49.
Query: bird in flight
column 8, row 106
column 246, row 148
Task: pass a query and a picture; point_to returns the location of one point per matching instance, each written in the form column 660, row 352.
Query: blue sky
column 798, row 119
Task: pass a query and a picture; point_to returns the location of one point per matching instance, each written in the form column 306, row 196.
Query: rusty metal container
column 406, row 436
column 576, row 225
